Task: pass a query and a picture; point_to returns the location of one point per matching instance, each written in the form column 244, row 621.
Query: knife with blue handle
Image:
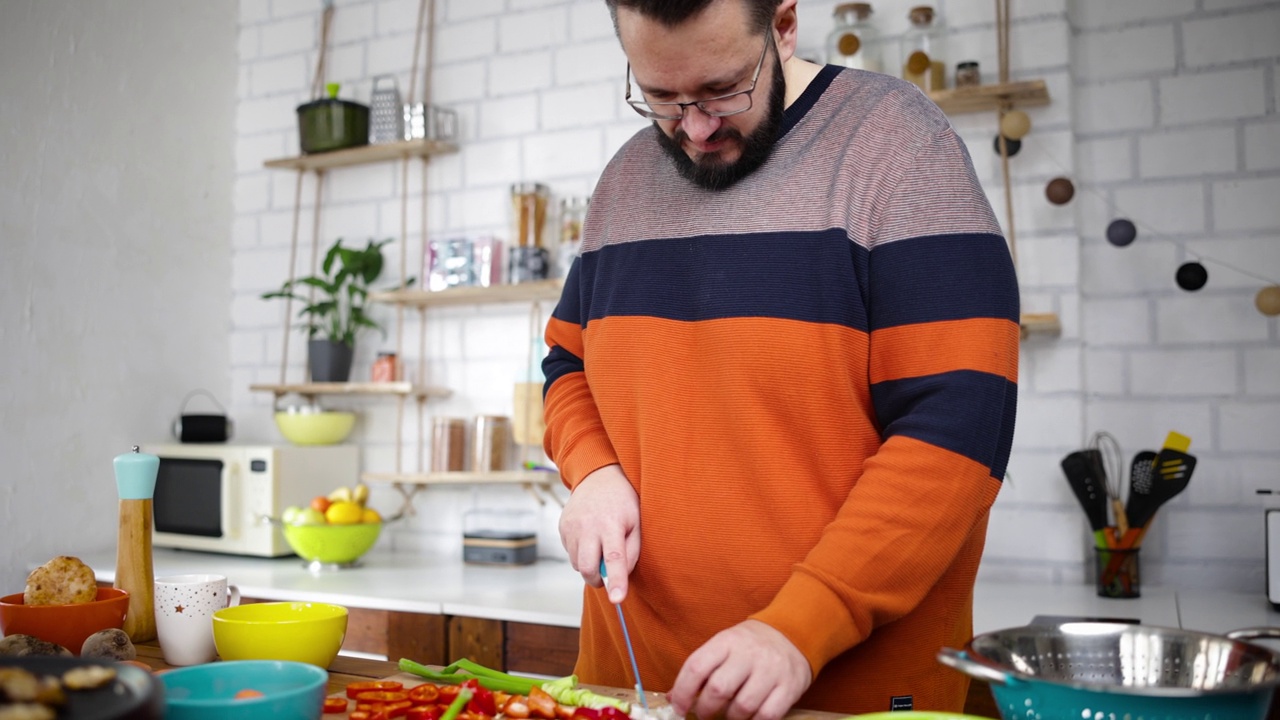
column 635, row 669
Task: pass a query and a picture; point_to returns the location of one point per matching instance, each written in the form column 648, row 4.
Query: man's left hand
column 747, row 671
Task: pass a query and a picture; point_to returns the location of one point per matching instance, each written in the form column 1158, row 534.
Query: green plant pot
column 329, row 361
column 332, row 124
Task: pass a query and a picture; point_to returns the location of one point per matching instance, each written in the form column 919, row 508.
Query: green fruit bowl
column 338, row 545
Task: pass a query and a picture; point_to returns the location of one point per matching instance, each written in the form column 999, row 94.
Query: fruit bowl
column 324, row 427
column 65, row 625
column 292, row 631
column 340, row 545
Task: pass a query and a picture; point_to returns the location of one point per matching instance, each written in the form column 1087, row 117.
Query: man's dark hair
column 674, row 12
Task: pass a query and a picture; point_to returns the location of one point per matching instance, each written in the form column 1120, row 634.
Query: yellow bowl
column 332, row 544
column 296, row 631
column 315, row 428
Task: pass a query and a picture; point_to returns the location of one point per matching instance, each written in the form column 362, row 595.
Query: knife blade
column 626, row 636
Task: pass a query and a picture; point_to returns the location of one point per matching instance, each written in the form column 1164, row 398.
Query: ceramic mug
column 185, row 605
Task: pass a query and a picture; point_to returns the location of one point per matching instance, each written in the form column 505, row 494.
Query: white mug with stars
column 185, row 605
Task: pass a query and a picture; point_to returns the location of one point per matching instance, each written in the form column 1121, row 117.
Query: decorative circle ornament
column 1121, row 232
column 1268, row 300
column 1011, row 146
column 1015, row 125
column 1192, row 276
column 1060, row 190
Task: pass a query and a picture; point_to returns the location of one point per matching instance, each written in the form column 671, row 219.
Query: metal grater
column 386, row 117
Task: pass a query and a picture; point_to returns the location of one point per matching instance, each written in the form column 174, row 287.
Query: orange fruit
column 343, row 512
column 321, row 503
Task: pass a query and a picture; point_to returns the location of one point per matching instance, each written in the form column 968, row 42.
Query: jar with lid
column 573, row 214
column 529, row 256
column 854, row 42
column 923, row 55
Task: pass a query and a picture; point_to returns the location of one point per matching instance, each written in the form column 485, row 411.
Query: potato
column 20, row 645
column 63, row 580
column 109, row 644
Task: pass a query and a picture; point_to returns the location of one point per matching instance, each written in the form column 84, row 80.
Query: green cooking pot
column 332, row 124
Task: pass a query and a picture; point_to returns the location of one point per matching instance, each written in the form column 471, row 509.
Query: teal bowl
column 290, row 691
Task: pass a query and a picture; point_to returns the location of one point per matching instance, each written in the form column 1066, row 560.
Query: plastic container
column 854, row 42
column 923, row 55
column 332, row 124
column 499, row 537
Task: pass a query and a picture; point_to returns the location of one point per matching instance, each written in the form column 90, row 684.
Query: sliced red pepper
column 382, row 696
column 356, row 688
column 564, row 712
column 481, row 701
column 335, row 704
column 424, row 694
column 586, row 713
column 424, row 712
column 541, row 704
column 368, row 715
column 447, row 693
column 609, row 712
column 397, row 709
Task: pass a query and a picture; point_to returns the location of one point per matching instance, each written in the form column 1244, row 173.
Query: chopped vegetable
column 335, row 705
column 563, row 690
column 356, row 688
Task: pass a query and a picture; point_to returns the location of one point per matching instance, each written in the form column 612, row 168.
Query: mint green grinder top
column 136, row 475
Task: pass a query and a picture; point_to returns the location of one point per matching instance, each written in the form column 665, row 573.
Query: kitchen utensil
column 1110, row 471
column 635, row 668
column 1079, row 670
column 65, row 625
column 332, row 124
column 136, row 485
column 386, row 112
column 134, row 694
column 1158, row 477
column 290, row 691
column 1080, row 469
column 293, row 631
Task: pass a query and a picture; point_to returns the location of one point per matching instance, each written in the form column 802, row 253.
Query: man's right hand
column 602, row 520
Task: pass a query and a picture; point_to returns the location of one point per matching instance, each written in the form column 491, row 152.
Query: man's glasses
column 720, row 106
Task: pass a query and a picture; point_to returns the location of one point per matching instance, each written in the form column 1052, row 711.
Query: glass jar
column 854, row 42
column 968, row 74
column 922, row 52
column 528, row 255
column 573, row 214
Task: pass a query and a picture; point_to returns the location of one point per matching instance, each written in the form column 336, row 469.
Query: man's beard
column 711, row 172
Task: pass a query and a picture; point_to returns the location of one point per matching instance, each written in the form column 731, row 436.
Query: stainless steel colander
column 1114, row 671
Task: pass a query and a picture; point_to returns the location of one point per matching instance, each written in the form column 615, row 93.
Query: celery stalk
column 455, row 707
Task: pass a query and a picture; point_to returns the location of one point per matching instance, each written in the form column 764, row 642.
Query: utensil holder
column 1116, row 572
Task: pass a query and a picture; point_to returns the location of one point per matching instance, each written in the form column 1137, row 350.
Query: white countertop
column 549, row 592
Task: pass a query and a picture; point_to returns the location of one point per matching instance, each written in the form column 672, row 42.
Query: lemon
column 343, row 512
column 370, row 516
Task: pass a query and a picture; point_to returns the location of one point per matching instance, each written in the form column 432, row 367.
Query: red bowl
column 66, row 625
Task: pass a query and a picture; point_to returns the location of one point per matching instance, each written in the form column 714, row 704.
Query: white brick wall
column 1163, row 111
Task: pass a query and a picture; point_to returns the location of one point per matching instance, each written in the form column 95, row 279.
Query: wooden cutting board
column 655, row 699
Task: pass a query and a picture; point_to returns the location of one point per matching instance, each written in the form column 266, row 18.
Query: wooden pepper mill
column 136, row 482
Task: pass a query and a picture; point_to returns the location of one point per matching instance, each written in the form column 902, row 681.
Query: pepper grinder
column 136, row 482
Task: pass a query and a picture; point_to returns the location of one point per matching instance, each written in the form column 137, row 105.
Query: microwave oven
column 223, row 498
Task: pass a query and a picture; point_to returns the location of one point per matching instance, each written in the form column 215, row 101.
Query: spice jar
column 529, row 257
column 448, row 444
column 853, row 41
column 922, row 50
column 384, row 368
column 573, row 213
column 967, row 74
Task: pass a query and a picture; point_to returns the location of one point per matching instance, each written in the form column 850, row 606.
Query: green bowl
column 315, row 428
column 332, row 544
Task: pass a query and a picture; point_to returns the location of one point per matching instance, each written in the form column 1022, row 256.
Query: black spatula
column 1156, row 478
column 1080, row 469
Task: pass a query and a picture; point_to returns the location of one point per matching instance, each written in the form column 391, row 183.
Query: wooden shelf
column 523, row 292
column 354, row 388
column 1040, row 324
column 1028, row 93
column 363, row 155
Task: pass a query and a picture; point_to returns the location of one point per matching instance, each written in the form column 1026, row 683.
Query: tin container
column 448, row 444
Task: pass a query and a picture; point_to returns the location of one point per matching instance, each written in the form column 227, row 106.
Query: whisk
column 1110, row 468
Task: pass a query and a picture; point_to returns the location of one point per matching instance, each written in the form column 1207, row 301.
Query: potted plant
column 334, row 312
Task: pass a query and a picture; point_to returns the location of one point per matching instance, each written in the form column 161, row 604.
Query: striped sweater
column 810, row 379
